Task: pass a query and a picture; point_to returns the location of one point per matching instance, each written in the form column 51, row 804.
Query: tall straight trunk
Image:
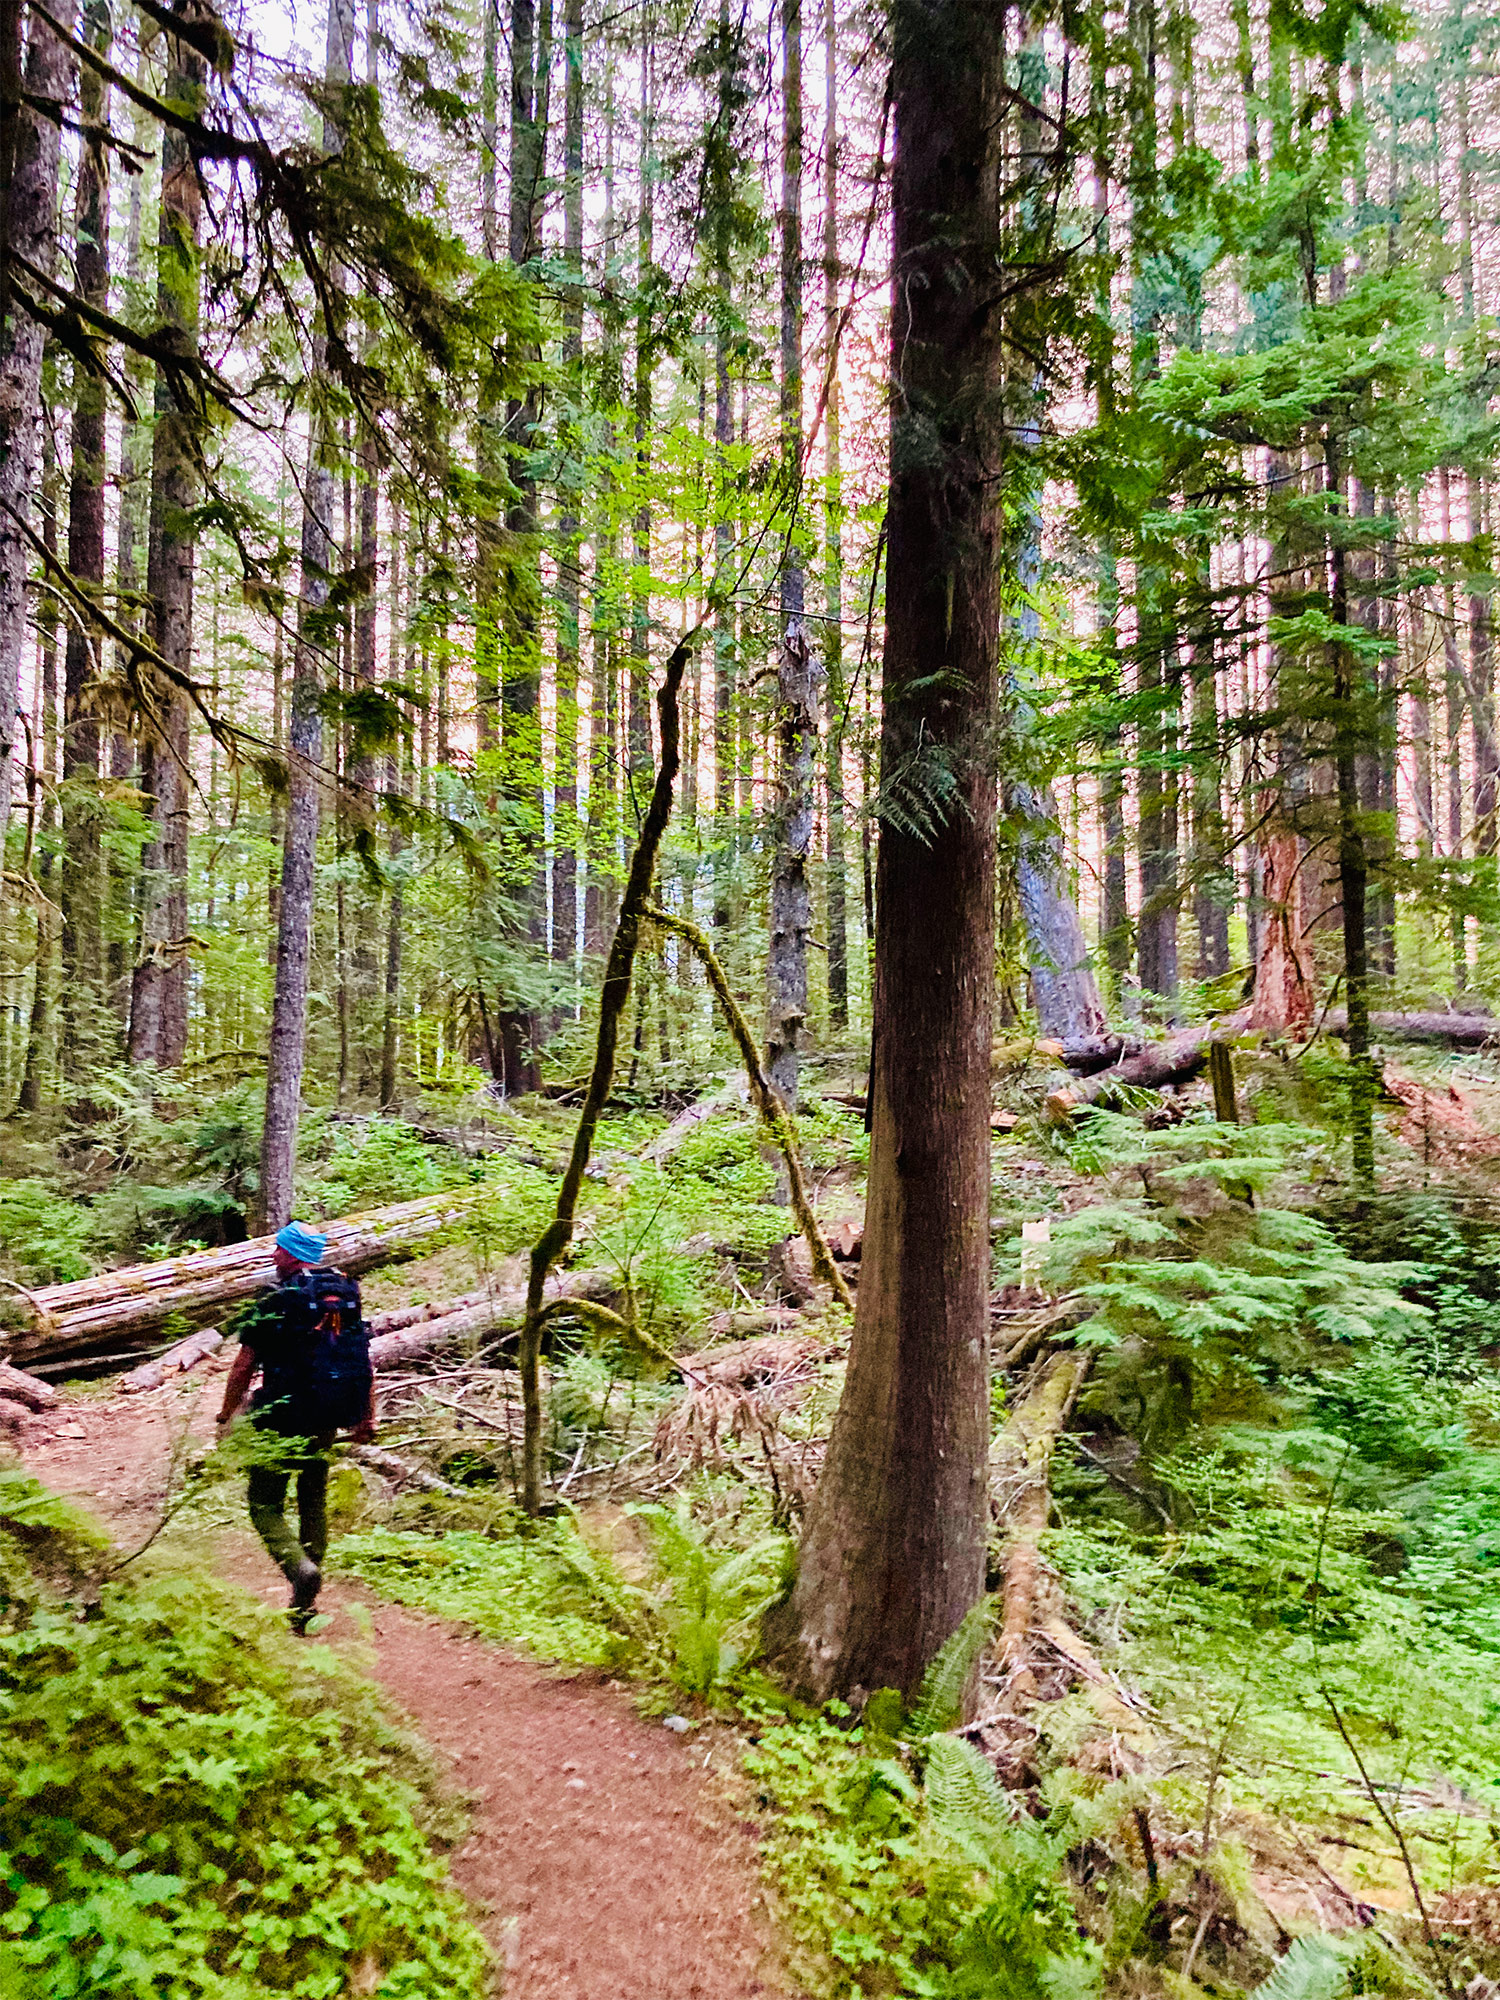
column 565, row 755
column 726, row 765
column 1212, row 885
column 1063, row 985
column 31, row 233
column 1285, row 980
column 1353, row 858
column 1156, row 676
column 1482, row 681
column 403, row 780
column 1064, row 989
column 367, row 1009
column 833, row 542
column 365, row 1012
column 1453, row 719
column 130, row 548
column 159, row 990
column 33, row 1074
column 294, row 935
column 85, row 1038
column 893, row 1552
column 488, row 421
column 604, row 761
column 638, row 719
column 797, row 667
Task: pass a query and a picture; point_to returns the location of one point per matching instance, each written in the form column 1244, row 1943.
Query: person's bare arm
column 241, row 1374
column 364, row 1431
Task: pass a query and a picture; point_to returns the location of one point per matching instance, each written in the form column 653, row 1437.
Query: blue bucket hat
column 305, row 1244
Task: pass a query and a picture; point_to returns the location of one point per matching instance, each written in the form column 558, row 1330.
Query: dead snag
column 1020, row 1484
column 614, row 993
column 774, row 1116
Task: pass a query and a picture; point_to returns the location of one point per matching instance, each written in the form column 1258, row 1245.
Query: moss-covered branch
column 773, row 1115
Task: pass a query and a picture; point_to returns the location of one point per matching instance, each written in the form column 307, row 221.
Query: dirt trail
column 602, row 1861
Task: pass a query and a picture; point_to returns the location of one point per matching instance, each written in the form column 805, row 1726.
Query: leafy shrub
column 193, row 1810
column 137, row 1222
column 371, row 1162
column 44, row 1237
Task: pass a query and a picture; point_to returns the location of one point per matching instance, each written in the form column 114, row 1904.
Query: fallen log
column 1458, row 1031
column 733, row 1095
column 176, row 1361
column 1180, row 1056
column 120, row 1306
column 1021, row 1491
column 25, row 1389
column 490, row 1313
column 402, row 1469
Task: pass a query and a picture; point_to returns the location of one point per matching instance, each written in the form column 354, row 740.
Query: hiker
column 309, row 1341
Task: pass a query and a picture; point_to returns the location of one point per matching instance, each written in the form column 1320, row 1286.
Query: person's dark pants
column 267, row 1496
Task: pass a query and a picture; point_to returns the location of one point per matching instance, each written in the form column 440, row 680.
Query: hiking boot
column 305, row 1587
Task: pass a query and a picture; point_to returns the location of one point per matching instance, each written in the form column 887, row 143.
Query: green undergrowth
column 195, row 1808
column 679, row 1608
column 517, row 1589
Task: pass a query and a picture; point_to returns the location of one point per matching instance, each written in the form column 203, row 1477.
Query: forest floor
column 605, row 1857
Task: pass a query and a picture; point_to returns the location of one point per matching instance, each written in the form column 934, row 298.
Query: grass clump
column 194, row 1809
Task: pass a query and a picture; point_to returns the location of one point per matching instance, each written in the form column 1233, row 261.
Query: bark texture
column 158, row 1001
column 892, row 1556
column 1063, row 986
column 796, row 692
column 84, row 973
column 31, row 233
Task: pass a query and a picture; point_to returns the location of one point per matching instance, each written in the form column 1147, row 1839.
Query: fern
column 964, row 1799
column 1314, row 1969
column 939, row 1700
column 920, row 793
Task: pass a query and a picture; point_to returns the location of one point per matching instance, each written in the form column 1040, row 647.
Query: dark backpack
column 320, row 1379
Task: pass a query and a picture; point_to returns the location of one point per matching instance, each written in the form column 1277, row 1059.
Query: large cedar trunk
column 893, row 1552
column 30, row 232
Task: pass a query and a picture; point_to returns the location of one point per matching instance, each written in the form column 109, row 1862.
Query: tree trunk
column 638, row 717
column 87, row 1025
column 1212, row 885
column 566, row 731
column 833, row 543
column 1349, row 739
column 796, row 719
column 892, row 1556
column 30, row 232
column 725, row 749
column 1063, row 986
column 159, row 990
column 294, row 935
column 134, row 514
column 29, row 1096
